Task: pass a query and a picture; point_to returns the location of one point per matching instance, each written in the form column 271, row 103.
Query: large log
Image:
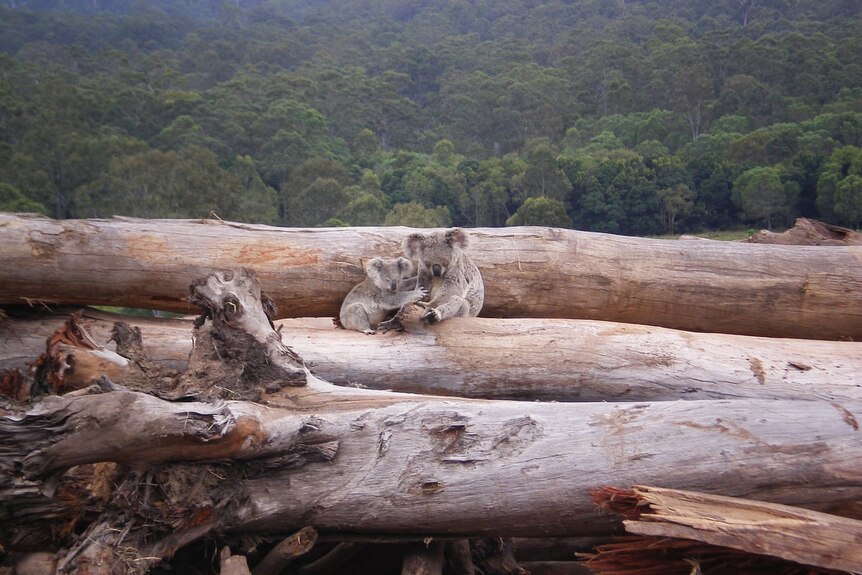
column 380, row 462
column 780, row 291
column 554, row 360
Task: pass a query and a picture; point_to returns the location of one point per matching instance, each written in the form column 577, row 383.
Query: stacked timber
column 303, row 447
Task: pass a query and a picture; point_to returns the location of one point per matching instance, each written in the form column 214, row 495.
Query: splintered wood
column 788, row 533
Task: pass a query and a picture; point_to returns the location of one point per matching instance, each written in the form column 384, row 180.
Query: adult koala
column 453, row 281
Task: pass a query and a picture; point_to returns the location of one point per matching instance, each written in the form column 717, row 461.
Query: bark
column 381, row 462
column 554, row 360
column 781, row 291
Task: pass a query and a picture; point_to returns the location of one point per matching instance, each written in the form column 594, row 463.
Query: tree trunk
column 378, row 462
column 781, row 291
column 554, row 360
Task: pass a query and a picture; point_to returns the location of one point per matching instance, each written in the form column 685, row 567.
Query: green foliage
column 465, row 113
column 541, row 211
column 364, row 210
column 760, row 194
column 11, row 200
column 315, row 192
column 616, row 194
column 838, row 185
column 255, row 202
column 848, row 199
column 414, row 215
column 675, row 201
column 157, row 184
column 542, row 178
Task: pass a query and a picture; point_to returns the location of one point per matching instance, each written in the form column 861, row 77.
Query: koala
column 389, row 285
column 453, row 281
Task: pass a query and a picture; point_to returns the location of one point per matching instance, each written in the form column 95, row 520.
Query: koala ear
column 404, row 265
column 375, row 264
column 456, row 237
column 411, row 245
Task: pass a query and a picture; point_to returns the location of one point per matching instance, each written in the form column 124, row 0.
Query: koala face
column 387, row 274
column 436, row 252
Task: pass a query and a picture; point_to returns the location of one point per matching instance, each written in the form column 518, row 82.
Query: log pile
column 292, row 446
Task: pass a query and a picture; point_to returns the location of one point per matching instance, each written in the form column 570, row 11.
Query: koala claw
column 431, row 316
column 421, row 294
column 368, row 331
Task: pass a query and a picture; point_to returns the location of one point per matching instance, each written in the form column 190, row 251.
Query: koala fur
column 453, row 281
column 387, row 287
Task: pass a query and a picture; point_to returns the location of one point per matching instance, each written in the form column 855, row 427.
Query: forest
column 624, row 116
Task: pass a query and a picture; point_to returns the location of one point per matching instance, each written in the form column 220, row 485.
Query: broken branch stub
column 242, row 354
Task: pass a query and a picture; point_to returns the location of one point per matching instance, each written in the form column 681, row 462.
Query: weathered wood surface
column 781, row 291
column 781, row 531
column 554, row 360
column 387, row 463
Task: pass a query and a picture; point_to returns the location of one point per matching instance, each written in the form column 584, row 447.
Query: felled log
column 407, row 464
column 780, row 291
column 361, row 461
column 780, row 531
column 807, row 232
column 554, row 360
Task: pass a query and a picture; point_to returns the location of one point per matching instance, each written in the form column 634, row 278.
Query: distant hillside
column 627, row 117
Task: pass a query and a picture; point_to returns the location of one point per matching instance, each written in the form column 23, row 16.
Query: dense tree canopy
column 627, row 117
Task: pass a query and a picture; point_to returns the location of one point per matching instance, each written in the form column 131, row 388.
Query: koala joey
column 453, row 281
column 389, row 285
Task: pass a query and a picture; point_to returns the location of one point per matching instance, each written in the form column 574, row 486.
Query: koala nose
column 437, row 270
column 393, row 285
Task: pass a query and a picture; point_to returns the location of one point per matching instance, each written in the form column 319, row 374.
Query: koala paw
column 431, row 316
column 368, row 331
column 420, row 294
